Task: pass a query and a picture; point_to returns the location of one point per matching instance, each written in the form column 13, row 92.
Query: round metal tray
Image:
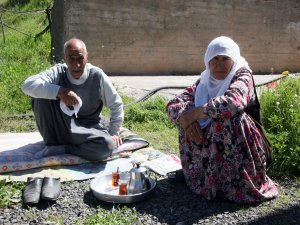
column 103, row 190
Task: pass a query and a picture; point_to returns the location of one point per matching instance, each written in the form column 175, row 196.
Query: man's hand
column 117, row 140
column 68, row 96
column 195, row 133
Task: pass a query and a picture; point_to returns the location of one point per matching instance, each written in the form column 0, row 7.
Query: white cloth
column 209, row 87
column 69, row 111
column 81, row 79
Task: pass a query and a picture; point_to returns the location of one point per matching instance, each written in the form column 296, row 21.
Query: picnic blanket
column 17, row 161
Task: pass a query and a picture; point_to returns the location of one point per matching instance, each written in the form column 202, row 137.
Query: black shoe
column 32, row 191
column 51, row 189
column 176, row 176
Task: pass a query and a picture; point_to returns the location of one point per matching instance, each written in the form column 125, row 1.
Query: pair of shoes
column 176, row 176
column 45, row 188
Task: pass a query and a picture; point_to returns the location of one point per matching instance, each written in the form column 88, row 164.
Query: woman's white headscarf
column 209, row 87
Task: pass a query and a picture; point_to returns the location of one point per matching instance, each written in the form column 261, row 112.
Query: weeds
column 17, row 124
column 150, row 120
column 10, row 194
column 21, row 55
column 281, row 117
column 124, row 216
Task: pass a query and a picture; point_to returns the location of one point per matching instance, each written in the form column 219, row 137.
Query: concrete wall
column 170, row 36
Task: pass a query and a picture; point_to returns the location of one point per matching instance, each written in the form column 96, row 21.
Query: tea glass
column 123, row 184
column 115, row 179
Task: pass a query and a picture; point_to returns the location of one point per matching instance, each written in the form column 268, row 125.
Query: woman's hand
column 189, row 117
column 195, row 133
column 185, row 119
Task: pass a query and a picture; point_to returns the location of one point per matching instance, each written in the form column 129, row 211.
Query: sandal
column 51, row 189
column 176, row 176
column 32, row 191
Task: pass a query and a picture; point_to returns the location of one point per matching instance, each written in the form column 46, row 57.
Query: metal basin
column 103, row 190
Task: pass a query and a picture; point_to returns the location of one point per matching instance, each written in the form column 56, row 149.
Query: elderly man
column 67, row 100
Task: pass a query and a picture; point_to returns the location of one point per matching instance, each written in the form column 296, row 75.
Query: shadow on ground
column 173, row 203
column 282, row 216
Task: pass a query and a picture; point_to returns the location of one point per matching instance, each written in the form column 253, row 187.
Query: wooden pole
column 3, row 32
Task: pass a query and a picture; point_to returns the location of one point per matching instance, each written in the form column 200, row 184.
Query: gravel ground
column 169, row 204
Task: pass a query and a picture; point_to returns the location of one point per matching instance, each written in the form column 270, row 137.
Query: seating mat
column 17, row 151
column 17, row 161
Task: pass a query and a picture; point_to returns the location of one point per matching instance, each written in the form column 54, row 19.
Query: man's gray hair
column 67, row 44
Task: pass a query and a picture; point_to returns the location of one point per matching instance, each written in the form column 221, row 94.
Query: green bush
column 21, row 55
column 281, row 118
column 27, row 4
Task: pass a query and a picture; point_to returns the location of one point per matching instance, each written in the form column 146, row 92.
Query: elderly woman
column 220, row 146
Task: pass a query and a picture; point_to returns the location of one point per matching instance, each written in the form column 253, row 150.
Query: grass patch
column 297, row 194
column 21, row 55
column 281, row 117
column 17, row 124
column 116, row 216
column 10, row 193
column 149, row 119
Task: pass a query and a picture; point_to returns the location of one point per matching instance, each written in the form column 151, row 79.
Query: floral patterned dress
column 231, row 162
